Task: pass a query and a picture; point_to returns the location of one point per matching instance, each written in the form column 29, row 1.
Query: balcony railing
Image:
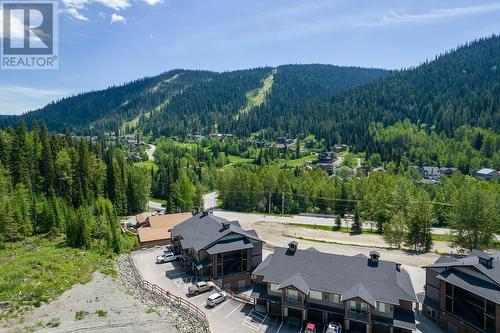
column 293, row 303
column 360, row 316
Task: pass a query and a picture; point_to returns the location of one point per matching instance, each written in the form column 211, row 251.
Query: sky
column 110, row 42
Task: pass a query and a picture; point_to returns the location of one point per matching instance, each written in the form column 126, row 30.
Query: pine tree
column 356, row 225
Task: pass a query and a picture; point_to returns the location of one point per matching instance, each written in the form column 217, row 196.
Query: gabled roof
column 471, row 283
column 359, row 291
column 472, row 260
column 204, row 230
column 167, row 220
column 295, row 281
column 338, row 274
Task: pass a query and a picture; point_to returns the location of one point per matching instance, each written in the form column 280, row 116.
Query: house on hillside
column 363, row 294
column 487, row 174
column 155, row 230
column 340, row 147
column 430, row 173
column 447, row 171
column 344, row 172
column 220, row 249
column 325, row 161
column 463, row 294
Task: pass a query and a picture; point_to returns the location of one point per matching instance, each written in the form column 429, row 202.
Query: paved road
column 150, row 151
column 210, row 202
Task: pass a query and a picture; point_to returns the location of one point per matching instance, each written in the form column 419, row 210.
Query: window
column 383, row 307
column 273, row 287
column 334, row 298
column 292, row 294
column 359, row 307
column 316, row 295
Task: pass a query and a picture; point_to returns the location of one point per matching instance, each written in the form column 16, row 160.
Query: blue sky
column 106, row 42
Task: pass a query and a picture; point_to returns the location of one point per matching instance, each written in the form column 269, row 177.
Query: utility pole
column 269, row 203
column 282, row 203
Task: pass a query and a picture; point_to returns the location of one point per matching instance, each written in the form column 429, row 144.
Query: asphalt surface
column 231, row 315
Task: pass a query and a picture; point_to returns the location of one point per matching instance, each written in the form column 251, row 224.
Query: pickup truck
column 200, row 287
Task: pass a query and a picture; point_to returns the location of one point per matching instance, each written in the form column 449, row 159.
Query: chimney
column 398, row 267
column 486, row 261
column 374, row 256
column 206, row 212
column 224, row 226
column 292, row 247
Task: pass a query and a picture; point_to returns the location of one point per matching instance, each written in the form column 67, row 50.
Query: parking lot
column 231, row 315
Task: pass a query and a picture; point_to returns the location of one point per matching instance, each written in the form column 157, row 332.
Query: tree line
column 59, row 185
column 395, row 203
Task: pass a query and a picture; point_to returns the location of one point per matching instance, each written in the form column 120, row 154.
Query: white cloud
column 152, row 2
column 393, row 17
column 115, row 18
column 78, row 4
column 74, row 13
column 115, row 4
column 17, row 27
column 16, row 99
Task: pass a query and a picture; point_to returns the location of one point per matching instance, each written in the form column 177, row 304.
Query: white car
column 216, row 298
column 166, row 257
column 334, row 327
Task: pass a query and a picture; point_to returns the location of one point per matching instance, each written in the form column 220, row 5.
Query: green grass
column 442, row 238
column 435, row 237
column 298, row 161
column 147, row 165
column 329, row 228
column 239, row 160
column 102, row 313
column 37, row 271
column 80, row 314
column 158, row 200
column 257, row 96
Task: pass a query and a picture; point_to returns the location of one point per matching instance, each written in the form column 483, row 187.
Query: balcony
column 294, row 303
column 358, row 316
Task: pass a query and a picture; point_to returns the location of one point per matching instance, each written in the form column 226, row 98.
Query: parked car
column 168, row 249
column 216, row 298
column 334, row 327
column 200, row 287
column 310, row 328
column 166, row 257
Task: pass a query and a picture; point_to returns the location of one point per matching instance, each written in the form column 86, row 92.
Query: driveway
column 231, row 315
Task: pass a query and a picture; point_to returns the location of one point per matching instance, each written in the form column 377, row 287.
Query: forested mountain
column 186, row 100
column 460, row 87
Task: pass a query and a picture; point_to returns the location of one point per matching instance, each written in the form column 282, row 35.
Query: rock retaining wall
column 171, row 308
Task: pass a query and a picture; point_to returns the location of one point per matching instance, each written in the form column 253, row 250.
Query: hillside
column 459, row 87
column 184, row 100
column 336, row 103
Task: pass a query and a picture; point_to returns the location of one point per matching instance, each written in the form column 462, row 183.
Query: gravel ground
column 102, row 306
column 176, row 314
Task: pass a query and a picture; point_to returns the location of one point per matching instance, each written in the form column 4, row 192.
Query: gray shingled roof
column 201, row 231
column 230, row 245
column 473, row 284
column 473, row 261
column 358, row 290
column 338, row 274
column 295, row 281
